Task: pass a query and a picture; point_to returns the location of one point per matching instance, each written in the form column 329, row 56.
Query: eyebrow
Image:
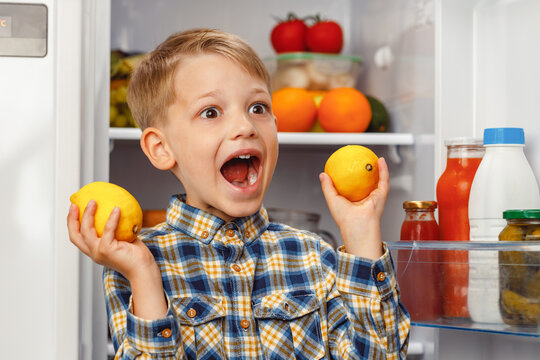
column 260, row 91
column 212, row 93
column 217, row 93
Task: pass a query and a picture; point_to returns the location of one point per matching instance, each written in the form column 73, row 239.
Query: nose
column 242, row 126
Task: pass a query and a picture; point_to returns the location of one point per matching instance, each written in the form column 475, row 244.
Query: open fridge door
column 54, row 96
column 487, row 75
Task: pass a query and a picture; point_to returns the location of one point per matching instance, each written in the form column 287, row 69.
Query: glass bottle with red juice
column 418, row 269
column 453, row 189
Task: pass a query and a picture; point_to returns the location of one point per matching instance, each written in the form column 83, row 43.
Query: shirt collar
column 203, row 226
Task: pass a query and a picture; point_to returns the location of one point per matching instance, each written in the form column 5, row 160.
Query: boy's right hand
column 130, row 259
column 133, row 260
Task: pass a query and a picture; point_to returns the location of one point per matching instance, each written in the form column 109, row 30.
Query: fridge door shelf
column 423, row 269
column 309, row 138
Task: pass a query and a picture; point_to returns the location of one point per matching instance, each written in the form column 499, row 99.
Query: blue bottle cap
column 505, row 135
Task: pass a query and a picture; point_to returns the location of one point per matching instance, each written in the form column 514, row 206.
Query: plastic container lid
column 314, row 56
column 505, row 135
column 522, row 214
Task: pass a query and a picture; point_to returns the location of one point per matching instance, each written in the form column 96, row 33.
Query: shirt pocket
column 290, row 325
column 201, row 320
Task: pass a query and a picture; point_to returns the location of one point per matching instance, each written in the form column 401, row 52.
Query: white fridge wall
column 487, row 69
column 406, row 87
column 506, row 75
column 140, row 25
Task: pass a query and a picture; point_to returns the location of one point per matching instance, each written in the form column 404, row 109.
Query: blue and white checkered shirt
column 250, row 289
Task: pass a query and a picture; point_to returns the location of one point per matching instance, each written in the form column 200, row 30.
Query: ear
column 156, row 149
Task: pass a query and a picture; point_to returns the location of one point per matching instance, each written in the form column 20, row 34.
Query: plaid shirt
column 250, row 289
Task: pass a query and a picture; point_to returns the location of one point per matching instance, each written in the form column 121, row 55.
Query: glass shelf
column 304, row 138
column 428, row 271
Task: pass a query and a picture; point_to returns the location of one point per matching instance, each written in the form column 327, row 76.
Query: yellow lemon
column 354, row 171
column 107, row 196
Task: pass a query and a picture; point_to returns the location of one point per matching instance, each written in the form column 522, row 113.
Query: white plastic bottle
column 504, row 180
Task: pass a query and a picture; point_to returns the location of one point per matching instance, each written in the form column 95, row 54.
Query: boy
column 217, row 280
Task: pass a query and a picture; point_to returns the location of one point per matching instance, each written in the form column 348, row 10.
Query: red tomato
column 325, row 37
column 289, row 35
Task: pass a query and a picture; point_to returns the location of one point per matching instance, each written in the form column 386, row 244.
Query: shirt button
column 192, row 313
column 204, row 234
column 237, row 268
column 230, row 232
column 381, row 276
column 247, row 234
column 166, row 333
column 244, row 324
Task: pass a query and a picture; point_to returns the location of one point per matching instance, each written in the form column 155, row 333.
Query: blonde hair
column 151, row 88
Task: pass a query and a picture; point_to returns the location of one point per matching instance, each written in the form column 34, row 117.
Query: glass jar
column 418, row 270
column 301, row 220
column 419, row 222
column 453, row 188
column 520, row 270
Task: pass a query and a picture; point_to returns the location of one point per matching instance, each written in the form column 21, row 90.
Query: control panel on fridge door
column 23, row 30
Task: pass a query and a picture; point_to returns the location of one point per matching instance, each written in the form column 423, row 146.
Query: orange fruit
column 344, row 110
column 294, row 109
column 354, row 171
column 153, row 217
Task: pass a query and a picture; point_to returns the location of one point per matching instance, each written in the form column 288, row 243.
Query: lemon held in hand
column 354, row 171
column 107, row 196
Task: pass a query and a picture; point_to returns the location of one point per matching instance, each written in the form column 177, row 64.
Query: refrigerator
column 443, row 68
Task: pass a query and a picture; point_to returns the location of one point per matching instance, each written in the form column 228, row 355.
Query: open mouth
column 242, row 170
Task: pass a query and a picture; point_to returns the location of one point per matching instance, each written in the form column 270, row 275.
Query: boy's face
column 223, row 136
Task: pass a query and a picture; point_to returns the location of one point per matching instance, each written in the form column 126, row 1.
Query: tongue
column 235, row 170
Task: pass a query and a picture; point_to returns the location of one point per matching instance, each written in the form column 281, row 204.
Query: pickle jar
column 520, row 270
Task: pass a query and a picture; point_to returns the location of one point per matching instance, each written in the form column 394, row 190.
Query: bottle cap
column 504, row 135
column 522, row 214
column 419, row 204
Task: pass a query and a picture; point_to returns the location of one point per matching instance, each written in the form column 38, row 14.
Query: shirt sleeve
column 132, row 336
column 366, row 320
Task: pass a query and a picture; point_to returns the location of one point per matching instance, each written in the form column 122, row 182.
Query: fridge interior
column 406, row 88
column 438, row 82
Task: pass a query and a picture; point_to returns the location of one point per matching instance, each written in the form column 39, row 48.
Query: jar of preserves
column 453, row 188
column 520, row 270
column 419, row 269
column 419, row 222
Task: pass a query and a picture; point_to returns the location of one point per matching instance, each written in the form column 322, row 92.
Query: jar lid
column 460, row 141
column 416, row 204
column 504, row 135
column 522, row 214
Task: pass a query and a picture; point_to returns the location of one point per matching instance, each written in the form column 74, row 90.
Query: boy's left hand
column 359, row 222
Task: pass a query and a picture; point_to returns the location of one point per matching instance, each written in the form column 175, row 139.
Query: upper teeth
column 245, row 157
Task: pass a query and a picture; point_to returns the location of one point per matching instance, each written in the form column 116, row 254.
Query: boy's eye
column 259, row 108
column 210, row 113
